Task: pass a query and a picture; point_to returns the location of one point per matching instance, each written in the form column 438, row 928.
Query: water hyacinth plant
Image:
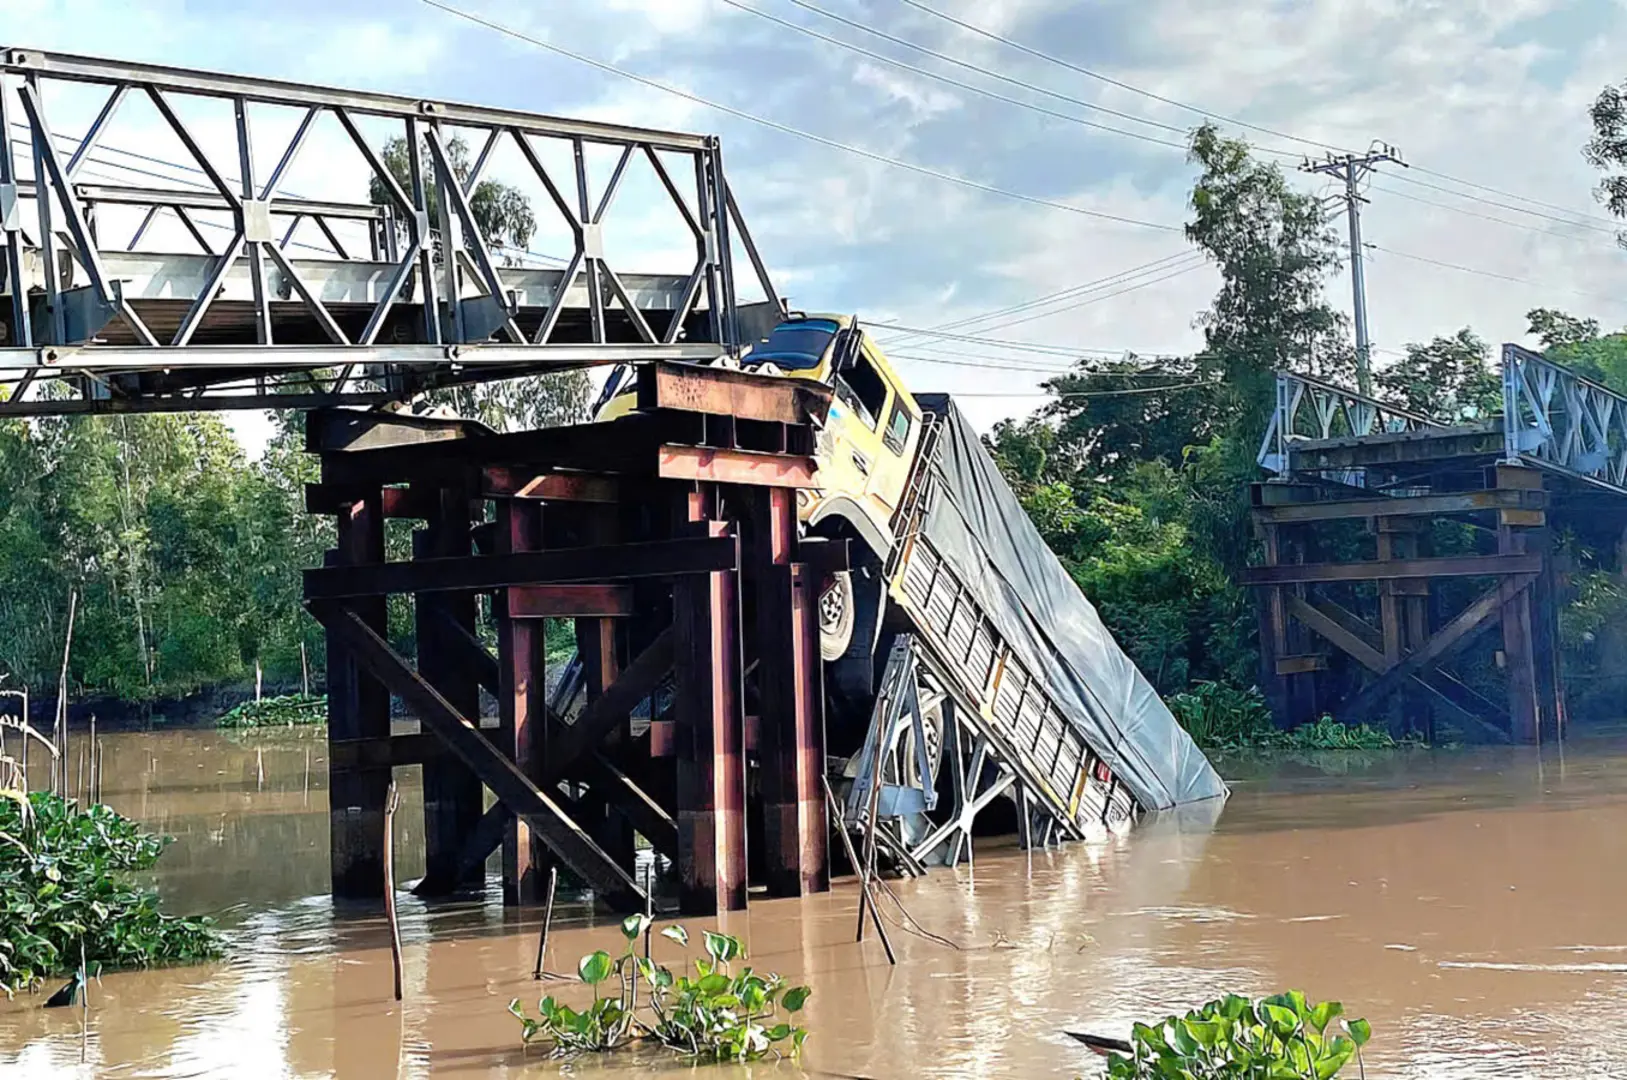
column 290, row 710
column 64, row 888
column 1284, row 1037
column 718, row 1014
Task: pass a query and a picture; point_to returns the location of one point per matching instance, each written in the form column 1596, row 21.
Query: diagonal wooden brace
column 570, row 742
column 511, row 786
column 1462, row 629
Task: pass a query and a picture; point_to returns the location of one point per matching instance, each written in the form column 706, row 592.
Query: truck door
column 878, row 429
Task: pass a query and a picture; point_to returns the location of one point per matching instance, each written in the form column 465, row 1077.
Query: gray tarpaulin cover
column 976, row 523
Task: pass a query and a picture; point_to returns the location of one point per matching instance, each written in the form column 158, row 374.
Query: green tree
column 1557, row 330
column 1274, row 250
column 506, row 220
column 1577, row 344
column 1607, row 149
column 503, row 213
column 1449, row 379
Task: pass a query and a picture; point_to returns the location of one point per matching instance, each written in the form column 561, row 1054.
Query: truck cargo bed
column 1023, row 651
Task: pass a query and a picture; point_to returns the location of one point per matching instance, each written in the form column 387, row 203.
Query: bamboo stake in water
column 547, row 921
column 84, row 1004
column 864, row 878
column 59, row 733
column 391, row 801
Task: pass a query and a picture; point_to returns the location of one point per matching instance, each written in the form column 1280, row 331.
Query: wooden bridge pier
column 1368, row 601
column 670, row 539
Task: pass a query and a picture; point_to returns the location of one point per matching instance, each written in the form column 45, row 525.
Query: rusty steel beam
column 1453, row 566
column 640, row 678
column 1411, row 505
column 709, row 721
column 744, row 467
column 624, row 445
column 569, row 601
column 481, row 573
column 452, row 794
column 499, row 482
column 351, row 430
column 358, row 708
column 468, row 650
column 563, row 836
column 521, row 704
column 1334, row 631
column 790, row 733
column 399, row 502
column 728, row 392
column 644, row 812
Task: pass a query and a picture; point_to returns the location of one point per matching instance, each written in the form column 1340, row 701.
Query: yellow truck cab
column 864, row 457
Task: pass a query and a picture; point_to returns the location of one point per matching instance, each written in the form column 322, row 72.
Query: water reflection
column 1464, row 902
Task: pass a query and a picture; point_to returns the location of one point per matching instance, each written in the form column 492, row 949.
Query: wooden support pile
column 1375, row 639
column 670, row 539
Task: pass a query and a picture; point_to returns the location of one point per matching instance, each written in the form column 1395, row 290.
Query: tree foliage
column 1607, row 149
column 508, row 223
column 185, row 557
column 1577, row 344
column 1449, row 379
column 503, row 212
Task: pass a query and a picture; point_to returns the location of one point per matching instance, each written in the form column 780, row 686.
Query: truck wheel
column 836, row 617
column 932, row 728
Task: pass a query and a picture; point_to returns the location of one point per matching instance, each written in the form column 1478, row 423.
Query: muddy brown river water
column 1469, row 903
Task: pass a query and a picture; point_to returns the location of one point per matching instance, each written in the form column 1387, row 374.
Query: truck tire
column 836, row 617
column 932, row 727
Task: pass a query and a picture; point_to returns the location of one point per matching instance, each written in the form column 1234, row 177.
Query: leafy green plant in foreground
column 287, row 711
column 63, row 884
column 1284, row 1037
column 718, row 1014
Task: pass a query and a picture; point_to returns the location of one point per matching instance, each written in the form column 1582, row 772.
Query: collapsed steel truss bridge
column 1370, row 636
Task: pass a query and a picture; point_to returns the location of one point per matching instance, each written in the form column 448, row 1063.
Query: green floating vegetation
column 1223, row 717
column 1285, row 1036
column 717, row 1015
column 290, row 710
column 64, row 886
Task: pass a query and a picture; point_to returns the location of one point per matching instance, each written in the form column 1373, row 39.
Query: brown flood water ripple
column 1468, row 903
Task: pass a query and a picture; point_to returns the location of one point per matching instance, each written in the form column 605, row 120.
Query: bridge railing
column 1309, row 408
column 1561, row 420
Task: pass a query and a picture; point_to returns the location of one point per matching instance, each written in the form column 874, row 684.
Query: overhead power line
column 1181, row 263
column 1557, row 233
column 787, row 129
column 1075, row 394
column 1576, row 221
column 1198, row 262
column 986, row 72
column 1489, row 273
column 1060, row 294
column 1111, row 81
column 1505, row 194
column 919, row 5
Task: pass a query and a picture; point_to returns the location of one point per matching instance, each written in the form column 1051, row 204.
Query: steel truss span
column 417, row 298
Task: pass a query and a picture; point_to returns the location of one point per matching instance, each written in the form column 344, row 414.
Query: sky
column 1471, row 92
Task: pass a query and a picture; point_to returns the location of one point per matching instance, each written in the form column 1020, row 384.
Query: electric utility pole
column 1352, row 168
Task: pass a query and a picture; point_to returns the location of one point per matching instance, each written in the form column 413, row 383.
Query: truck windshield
column 795, row 346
